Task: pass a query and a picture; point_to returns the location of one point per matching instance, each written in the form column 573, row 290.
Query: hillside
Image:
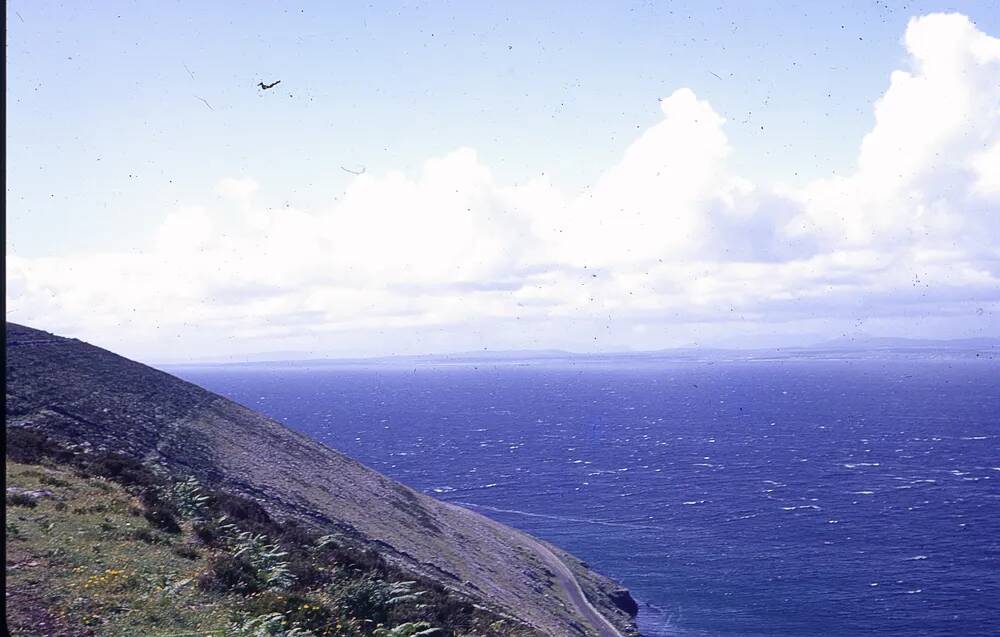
column 99, row 544
column 100, row 403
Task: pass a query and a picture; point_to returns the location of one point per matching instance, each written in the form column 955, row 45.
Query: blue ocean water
column 785, row 497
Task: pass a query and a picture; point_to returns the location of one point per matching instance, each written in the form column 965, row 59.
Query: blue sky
column 109, row 136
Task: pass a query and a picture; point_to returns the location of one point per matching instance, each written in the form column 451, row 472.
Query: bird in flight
column 267, row 86
column 354, row 172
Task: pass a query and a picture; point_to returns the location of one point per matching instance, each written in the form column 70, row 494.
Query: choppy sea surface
column 788, row 497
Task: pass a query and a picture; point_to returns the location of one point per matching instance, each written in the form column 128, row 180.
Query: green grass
column 99, row 545
column 98, row 562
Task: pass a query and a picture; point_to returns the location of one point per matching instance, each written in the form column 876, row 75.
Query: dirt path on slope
column 569, row 583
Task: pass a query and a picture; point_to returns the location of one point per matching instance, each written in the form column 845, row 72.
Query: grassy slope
column 85, row 558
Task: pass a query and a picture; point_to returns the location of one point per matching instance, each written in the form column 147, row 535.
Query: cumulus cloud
column 237, row 189
column 652, row 203
column 927, row 170
column 667, row 247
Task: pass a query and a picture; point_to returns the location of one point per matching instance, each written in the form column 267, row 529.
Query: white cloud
column 934, row 130
column 652, row 204
column 237, row 189
column 986, row 167
column 665, row 247
column 185, row 230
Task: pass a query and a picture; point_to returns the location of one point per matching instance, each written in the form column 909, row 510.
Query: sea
column 784, row 497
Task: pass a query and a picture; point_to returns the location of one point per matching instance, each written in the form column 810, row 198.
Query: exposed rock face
column 93, row 398
column 621, row 598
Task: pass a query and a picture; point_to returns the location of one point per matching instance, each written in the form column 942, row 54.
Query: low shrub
column 269, row 602
column 91, row 508
column 227, row 573
column 306, row 573
column 369, row 598
column 207, row 532
column 296, row 535
column 52, row 481
column 162, row 517
column 31, row 447
column 144, row 534
column 189, row 498
column 159, row 511
column 121, row 469
column 215, row 533
column 152, row 497
column 410, row 629
column 296, row 610
column 22, row 500
column 186, row 551
column 242, row 511
column 266, row 557
column 270, row 625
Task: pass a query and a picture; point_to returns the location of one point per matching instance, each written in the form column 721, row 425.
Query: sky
column 442, row 177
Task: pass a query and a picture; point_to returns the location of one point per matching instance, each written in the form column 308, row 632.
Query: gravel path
column 569, row 583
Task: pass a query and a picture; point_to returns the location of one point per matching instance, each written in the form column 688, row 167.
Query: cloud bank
column 667, row 247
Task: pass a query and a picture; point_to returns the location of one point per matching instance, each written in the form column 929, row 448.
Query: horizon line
column 840, row 344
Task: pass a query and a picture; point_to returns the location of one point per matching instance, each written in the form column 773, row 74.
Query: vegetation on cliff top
column 100, row 544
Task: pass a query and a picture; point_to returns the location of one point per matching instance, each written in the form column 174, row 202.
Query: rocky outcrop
column 621, row 598
column 94, row 399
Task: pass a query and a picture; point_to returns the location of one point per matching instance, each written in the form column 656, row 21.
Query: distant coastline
column 845, row 348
